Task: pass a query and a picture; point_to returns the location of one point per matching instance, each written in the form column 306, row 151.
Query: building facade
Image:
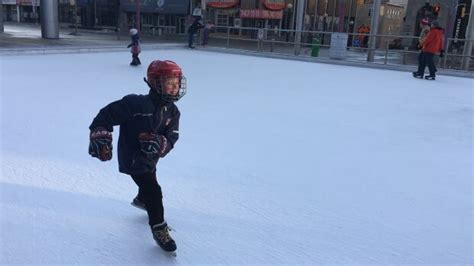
column 397, row 17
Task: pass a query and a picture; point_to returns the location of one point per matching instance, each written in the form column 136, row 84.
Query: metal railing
column 158, row 30
column 390, row 49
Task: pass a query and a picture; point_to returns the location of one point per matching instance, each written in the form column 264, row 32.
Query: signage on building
column 9, row 2
column 28, row 2
column 274, row 4
column 157, row 6
column 391, row 11
column 260, row 13
column 222, row 3
column 338, row 47
column 237, row 22
column 460, row 24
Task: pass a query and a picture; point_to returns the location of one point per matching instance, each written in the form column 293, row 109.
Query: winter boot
column 429, row 77
column 135, row 61
column 417, row 75
column 139, row 204
column 162, row 237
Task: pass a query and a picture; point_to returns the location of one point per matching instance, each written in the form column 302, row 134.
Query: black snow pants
column 149, row 192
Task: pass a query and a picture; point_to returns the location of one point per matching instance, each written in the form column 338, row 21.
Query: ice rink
column 278, row 162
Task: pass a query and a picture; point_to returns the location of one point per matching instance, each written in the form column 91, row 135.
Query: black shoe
column 191, row 46
column 162, row 237
column 139, row 204
column 417, row 75
column 429, row 77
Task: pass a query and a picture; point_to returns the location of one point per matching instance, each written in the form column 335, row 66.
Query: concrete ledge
column 81, row 49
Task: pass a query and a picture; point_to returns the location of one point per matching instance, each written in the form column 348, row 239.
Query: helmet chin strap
column 154, row 90
column 148, row 83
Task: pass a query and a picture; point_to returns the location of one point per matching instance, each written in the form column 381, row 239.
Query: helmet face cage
column 159, row 72
column 167, row 97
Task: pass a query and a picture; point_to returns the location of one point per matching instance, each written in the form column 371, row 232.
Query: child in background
column 135, row 47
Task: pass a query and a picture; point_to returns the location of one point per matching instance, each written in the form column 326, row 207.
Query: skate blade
column 170, row 253
column 137, row 206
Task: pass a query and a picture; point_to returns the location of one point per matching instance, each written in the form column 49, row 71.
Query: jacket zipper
column 161, row 120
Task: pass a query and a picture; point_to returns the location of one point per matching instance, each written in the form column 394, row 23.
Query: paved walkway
column 24, row 38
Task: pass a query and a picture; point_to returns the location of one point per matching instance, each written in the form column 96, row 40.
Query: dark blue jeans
column 205, row 38
column 427, row 60
column 190, row 39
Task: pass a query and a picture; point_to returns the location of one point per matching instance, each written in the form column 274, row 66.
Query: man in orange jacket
column 432, row 45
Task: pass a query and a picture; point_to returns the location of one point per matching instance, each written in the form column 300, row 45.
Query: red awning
column 274, row 4
column 222, row 3
column 261, row 13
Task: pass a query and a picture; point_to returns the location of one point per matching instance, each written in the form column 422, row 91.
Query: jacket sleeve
column 114, row 114
column 442, row 42
column 171, row 134
column 135, row 39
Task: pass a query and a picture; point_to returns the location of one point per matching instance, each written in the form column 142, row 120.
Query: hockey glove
column 153, row 146
column 418, row 46
column 130, row 45
column 100, row 145
column 441, row 54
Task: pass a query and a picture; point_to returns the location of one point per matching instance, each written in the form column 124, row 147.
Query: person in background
column 363, row 37
column 135, row 47
column 193, row 30
column 206, row 32
column 425, row 29
column 433, row 44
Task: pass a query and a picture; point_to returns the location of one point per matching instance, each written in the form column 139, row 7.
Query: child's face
column 171, row 85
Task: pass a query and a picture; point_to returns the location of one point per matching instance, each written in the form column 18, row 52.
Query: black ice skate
column 417, row 75
column 429, row 77
column 163, row 239
column 139, row 204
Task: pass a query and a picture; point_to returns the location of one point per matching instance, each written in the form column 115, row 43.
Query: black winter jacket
column 135, row 40
column 195, row 26
column 137, row 114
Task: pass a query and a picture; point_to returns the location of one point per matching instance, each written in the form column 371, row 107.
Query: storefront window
column 222, row 20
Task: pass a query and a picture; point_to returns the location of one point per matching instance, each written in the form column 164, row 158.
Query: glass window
column 222, row 20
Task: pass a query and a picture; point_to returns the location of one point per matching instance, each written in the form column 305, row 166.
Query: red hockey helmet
column 159, row 71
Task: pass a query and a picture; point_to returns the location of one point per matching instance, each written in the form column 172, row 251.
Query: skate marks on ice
column 77, row 229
